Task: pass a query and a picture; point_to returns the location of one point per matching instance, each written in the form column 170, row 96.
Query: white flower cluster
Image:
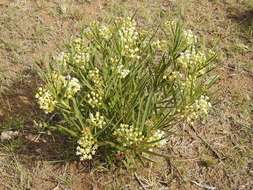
column 190, row 59
column 46, row 100
column 122, row 71
column 97, row 120
column 158, row 44
column 158, row 138
column 78, row 44
column 81, row 58
column 199, row 109
column 170, row 24
column 128, row 135
column 105, row 32
column 128, row 38
column 114, row 60
column 190, row 38
column 72, row 87
column 94, row 76
column 86, row 146
column 81, row 54
column 96, row 95
column 94, row 99
column 68, row 85
column 62, row 58
column 203, row 105
column 175, row 75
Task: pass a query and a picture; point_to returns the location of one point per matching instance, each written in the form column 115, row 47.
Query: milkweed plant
column 118, row 88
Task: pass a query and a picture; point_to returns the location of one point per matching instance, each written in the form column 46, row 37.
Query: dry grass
column 217, row 154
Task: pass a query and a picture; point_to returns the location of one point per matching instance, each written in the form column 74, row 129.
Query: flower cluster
column 128, row 135
column 114, row 60
column 174, row 75
column 97, row 120
column 46, row 100
column 86, row 146
column 105, row 32
column 96, row 95
column 62, row 58
column 158, row 138
column 170, row 25
column 66, row 87
column 81, row 58
column 72, row 86
column 198, row 110
column 191, row 59
column 80, row 53
column 190, row 38
column 95, row 77
column 122, row 71
column 128, row 38
column 94, row 99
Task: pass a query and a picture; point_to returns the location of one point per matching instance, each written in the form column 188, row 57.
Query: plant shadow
column 243, row 18
column 18, row 100
column 20, row 112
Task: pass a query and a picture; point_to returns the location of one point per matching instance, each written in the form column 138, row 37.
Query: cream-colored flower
column 123, row 72
column 72, row 86
column 97, row 120
column 191, row 59
column 94, row 99
column 157, row 138
column 128, row 135
column 198, row 110
column 190, row 38
column 128, row 36
column 46, row 100
column 105, row 32
column 86, row 146
column 95, row 77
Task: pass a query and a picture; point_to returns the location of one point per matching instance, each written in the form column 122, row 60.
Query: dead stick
column 215, row 153
column 139, row 181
